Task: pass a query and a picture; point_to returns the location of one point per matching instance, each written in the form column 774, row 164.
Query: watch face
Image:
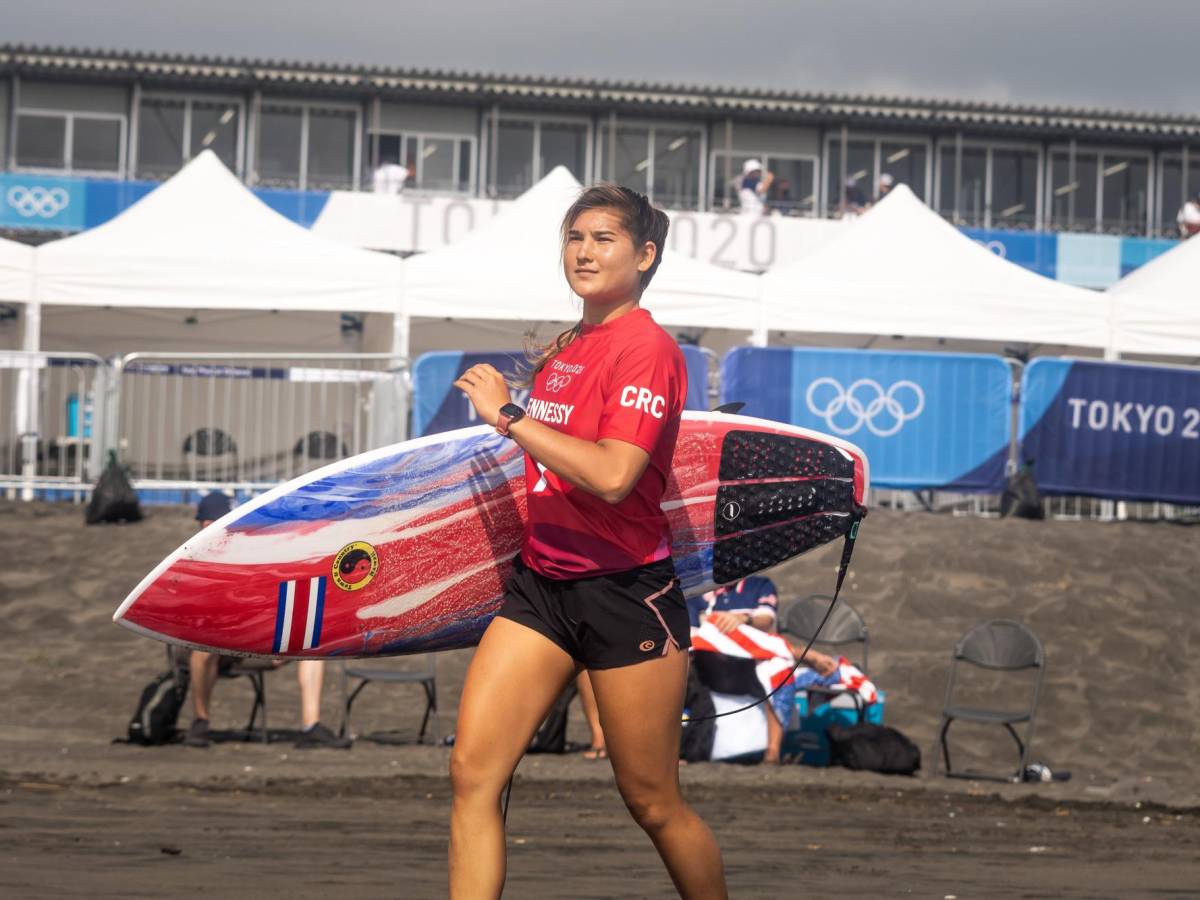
column 512, row 410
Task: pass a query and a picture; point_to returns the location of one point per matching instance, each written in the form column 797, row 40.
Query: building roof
column 797, row 107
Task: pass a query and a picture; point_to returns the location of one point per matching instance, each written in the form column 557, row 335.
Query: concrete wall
column 74, row 97
column 419, row 117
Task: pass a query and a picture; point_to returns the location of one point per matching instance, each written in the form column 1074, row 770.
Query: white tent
column 16, row 279
column 1157, row 306
column 510, row 269
column 202, row 240
column 903, row 270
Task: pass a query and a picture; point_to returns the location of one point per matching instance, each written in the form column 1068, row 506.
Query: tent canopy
column 202, row 240
column 1157, row 306
column 16, row 271
column 510, row 268
column 903, row 270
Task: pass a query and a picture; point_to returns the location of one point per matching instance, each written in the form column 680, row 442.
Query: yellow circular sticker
column 355, row 565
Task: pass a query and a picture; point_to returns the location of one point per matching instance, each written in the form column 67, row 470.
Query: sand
column 1115, row 605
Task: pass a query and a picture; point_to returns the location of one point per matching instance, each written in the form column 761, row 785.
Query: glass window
column 1073, row 199
column 42, row 141
column 632, row 158
column 464, row 165
column 970, row 202
column 905, row 163
column 436, row 172
column 514, row 158
column 860, row 174
column 96, row 144
column 728, row 197
column 563, row 144
column 215, row 127
column 676, row 168
column 1126, row 193
column 280, row 131
column 1174, row 192
column 330, row 149
column 1014, row 188
column 793, row 192
column 160, row 137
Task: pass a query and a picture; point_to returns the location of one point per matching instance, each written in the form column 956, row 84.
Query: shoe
column 197, row 734
column 595, row 753
column 319, row 737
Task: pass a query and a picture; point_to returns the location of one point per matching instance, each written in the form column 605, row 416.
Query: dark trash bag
column 696, row 741
column 1021, row 497
column 873, row 748
column 157, row 712
column 113, row 498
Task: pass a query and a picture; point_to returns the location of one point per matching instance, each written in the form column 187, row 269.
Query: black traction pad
column 742, row 507
column 747, row 455
column 736, row 557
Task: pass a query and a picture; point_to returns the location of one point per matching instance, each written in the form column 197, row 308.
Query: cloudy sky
column 1128, row 54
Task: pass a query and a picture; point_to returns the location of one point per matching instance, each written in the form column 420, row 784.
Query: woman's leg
column 641, row 708
column 513, row 680
column 587, row 699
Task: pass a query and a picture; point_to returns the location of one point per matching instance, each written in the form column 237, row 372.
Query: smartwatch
column 509, row 413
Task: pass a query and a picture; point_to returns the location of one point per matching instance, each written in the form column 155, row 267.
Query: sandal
column 595, row 753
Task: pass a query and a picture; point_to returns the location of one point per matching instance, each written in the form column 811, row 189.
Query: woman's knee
column 653, row 808
column 471, row 776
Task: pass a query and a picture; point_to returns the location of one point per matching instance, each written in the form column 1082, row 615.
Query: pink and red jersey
column 625, row 380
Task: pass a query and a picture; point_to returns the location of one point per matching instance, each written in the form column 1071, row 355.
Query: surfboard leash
column 856, row 518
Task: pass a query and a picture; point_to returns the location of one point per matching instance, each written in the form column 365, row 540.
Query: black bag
column 873, row 748
column 158, row 709
column 696, row 741
column 113, row 498
column 1021, row 497
column 552, row 736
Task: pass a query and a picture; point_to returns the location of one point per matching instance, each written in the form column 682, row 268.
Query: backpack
column 696, row 740
column 874, row 748
column 158, row 708
column 113, row 498
column 1021, row 497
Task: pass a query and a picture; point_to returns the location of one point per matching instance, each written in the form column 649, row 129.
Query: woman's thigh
column 512, row 681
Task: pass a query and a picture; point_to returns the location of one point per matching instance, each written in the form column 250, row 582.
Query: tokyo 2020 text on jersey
column 625, row 380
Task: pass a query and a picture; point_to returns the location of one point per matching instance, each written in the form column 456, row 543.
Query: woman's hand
column 487, row 390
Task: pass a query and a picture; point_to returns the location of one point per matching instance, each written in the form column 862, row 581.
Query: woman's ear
column 649, row 254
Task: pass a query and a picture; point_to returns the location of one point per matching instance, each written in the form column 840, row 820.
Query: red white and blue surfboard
column 405, row 549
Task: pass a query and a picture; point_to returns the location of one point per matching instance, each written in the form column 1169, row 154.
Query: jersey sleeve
column 646, row 393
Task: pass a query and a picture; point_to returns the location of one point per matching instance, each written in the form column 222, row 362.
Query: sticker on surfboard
column 355, row 565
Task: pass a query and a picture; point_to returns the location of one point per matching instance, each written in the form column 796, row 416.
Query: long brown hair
column 640, row 218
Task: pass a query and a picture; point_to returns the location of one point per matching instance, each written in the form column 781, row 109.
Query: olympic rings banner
column 925, row 420
column 437, row 406
column 1115, row 430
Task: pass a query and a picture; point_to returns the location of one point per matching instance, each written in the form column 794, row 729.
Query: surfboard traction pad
column 762, row 523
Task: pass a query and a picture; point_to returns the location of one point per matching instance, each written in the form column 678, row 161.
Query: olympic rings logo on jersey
column 38, row 201
column 866, row 401
column 556, row 382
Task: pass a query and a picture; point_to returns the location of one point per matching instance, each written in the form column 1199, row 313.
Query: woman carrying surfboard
column 594, row 586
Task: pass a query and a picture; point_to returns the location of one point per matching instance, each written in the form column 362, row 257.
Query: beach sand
column 1116, row 606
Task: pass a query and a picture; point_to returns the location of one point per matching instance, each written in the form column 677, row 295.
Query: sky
column 1136, row 55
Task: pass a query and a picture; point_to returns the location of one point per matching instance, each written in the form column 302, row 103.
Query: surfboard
column 405, row 549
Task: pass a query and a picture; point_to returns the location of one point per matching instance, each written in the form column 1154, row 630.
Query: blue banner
column 1114, row 430
column 437, row 407
column 925, row 420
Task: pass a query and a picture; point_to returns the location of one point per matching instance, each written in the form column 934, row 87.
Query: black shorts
column 606, row 621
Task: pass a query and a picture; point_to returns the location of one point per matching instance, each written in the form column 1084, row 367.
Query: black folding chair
column 425, row 676
column 802, row 619
column 1000, row 645
column 255, row 671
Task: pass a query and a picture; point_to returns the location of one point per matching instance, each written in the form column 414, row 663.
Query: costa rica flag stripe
column 299, row 611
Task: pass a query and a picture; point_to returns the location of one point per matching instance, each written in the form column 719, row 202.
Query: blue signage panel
column 52, row 202
column 925, row 420
column 1112, row 430
column 437, row 406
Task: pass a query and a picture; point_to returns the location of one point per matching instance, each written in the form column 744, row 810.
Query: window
column 661, row 161
column 308, row 146
column 172, row 130
column 792, row 193
column 907, row 161
column 70, row 142
column 998, row 187
column 1093, row 190
column 1173, row 192
column 441, row 162
column 529, row 147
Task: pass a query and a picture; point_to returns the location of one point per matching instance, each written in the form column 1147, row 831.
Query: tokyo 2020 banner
column 437, row 406
column 925, row 420
column 1114, row 430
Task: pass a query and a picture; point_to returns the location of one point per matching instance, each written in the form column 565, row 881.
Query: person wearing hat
column 1188, row 219
column 886, row 183
column 753, row 187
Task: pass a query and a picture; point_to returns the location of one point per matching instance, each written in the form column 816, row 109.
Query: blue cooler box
column 808, row 743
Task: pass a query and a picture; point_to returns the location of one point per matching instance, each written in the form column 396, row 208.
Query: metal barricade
column 53, row 427
column 248, row 422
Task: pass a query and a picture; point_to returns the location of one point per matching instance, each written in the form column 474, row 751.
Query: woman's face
column 600, row 261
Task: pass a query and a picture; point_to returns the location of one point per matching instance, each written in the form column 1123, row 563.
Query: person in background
column 753, row 187
column 205, row 667
column 855, row 201
column 886, row 183
column 780, row 199
column 1189, row 218
column 391, row 178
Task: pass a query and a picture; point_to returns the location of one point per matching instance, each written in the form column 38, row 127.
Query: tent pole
column 28, row 388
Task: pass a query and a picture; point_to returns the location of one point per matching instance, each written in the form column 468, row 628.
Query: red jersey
column 626, row 380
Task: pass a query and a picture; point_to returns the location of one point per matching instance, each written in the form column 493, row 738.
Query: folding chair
column 802, row 619
column 254, row 670
column 1000, row 645
column 426, row 677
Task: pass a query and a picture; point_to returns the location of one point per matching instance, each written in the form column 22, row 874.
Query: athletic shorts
column 606, row 621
